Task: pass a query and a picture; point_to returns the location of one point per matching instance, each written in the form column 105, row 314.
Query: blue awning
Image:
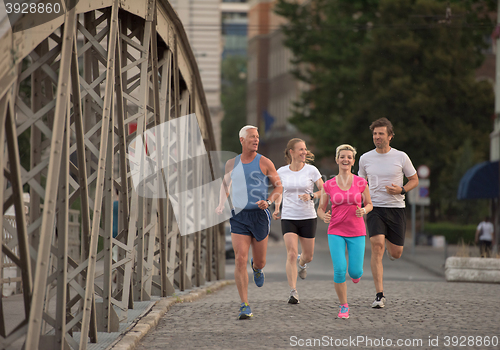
column 480, row 181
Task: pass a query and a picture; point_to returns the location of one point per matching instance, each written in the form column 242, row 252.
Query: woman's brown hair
column 291, row 145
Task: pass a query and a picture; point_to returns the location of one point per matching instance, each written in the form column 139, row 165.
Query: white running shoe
column 378, row 303
column 294, row 297
column 302, row 269
column 389, row 255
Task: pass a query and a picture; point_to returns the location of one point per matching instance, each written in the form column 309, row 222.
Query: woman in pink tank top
column 347, row 194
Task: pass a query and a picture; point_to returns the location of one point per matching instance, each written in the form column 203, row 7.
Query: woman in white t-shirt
column 298, row 217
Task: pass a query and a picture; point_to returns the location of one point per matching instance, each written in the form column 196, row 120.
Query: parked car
column 229, row 243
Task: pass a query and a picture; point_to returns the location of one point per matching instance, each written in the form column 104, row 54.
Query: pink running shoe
column 344, row 311
column 355, row 280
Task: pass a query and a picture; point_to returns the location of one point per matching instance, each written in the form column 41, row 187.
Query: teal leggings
column 356, row 251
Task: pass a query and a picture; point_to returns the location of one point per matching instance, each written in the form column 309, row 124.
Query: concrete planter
column 483, row 270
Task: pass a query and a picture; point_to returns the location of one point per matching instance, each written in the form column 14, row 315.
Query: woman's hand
column 360, row 211
column 327, row 217
column 306, row 197
column 275, row 214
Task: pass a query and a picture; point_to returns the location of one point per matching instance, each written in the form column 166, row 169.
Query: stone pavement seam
column 131, row 337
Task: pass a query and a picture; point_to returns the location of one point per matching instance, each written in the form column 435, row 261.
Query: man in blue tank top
column 249, row 175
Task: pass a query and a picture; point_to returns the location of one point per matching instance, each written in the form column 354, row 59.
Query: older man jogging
column 249, row 174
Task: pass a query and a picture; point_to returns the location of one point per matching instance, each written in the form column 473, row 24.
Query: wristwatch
column 268, row 202
column 312, row 196
column 403, row 191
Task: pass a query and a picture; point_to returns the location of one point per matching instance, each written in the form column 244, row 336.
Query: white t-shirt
column 296, row 183
column 487, row 231
column 385, row 169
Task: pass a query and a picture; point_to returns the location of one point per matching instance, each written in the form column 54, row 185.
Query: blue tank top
column 249, row 184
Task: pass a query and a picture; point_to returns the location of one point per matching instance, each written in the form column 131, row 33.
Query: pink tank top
column 344, row 221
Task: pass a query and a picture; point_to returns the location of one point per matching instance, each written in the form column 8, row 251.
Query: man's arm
column 275, row 180
column 362, row 170
column 410, row 185
column 226, row 185
column 270, row 171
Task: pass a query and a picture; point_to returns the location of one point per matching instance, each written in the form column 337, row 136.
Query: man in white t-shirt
column 384, row 168
column 484, row 236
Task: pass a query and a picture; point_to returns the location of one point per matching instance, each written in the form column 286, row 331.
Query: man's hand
column 394, row 189
column 219, row 209
column 262, row 205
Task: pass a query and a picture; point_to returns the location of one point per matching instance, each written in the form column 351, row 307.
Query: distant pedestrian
column 485, row 235
column 298, row 218
column 384, row 168
column 248, row 175
column 350, row 198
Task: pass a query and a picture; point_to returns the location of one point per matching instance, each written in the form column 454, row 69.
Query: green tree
column 326, row 38
column 420, row 73
column 400, row 59
column 470, row 211
column 233, row 97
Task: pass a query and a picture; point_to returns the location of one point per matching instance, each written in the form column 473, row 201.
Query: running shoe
column 302, row 269
column 389, row 255
column 294, row 297
column 379, row 302
column 343, row 312
column 245, row 312
column 258, row 276
column 355, row 280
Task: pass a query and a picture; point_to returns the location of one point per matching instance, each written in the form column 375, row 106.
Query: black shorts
column 390, row 222
column 485, row 248
column 304, row 228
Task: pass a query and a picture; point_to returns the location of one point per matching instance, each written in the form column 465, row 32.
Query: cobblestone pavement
column 418, row 315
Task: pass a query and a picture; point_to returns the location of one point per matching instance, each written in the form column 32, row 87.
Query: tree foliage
column 400, row 59
column 233, row 98
column 326, row 39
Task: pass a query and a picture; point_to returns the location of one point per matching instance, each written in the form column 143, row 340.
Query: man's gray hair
column 243, row 131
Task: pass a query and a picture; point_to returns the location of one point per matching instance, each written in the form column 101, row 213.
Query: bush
column 452, row 232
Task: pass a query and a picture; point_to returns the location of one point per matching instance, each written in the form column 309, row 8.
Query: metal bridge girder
column 76, row 86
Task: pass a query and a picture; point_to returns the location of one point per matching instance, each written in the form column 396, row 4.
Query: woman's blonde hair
column 291, row 145
column 345, row 147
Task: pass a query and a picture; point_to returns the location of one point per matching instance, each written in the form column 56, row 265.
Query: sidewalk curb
column 131, row 337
